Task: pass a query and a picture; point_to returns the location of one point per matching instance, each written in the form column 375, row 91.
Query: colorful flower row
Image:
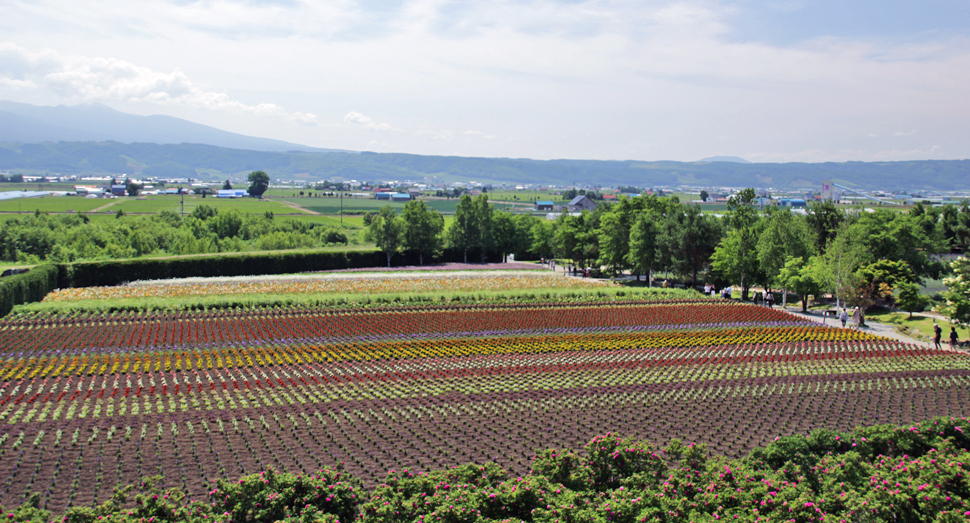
column 368, row 285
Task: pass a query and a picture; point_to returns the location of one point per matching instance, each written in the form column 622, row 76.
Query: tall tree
column 464, row 230
column 844, row 254
column 642, row 255
column 688, row 240
column 482, row 214
column 423, row 229
column 258, row 183
column 800, row 278
column 544, row 238
column 957, row 307
column 740, row 244
column 387, row 231
column 785, row 236
column 824, row 219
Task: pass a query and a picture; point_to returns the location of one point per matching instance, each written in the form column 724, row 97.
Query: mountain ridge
column 26, row 123
column 195, row 160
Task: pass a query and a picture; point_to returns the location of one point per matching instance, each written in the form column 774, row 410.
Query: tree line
column 68, row 238
column 859, row 256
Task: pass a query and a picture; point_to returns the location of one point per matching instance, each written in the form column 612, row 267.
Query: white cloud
column 81, row 78
column 900, row 133
column 367, row 122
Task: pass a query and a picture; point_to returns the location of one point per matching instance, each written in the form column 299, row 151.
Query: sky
column 769, row 81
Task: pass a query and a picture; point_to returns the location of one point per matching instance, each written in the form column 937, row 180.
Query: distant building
column 545, row 205
column 830, row 192
column 792, row 202
column 581, row 203
column 400, row 197
column 230, row 193
column 609, row 197
column 118, row 190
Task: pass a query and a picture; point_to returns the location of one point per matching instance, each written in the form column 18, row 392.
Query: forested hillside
column 186, row 160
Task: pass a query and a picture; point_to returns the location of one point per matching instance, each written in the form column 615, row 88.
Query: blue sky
column 602, row 79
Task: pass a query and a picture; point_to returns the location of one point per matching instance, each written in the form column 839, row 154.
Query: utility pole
column 341, row 207
column 182, row 194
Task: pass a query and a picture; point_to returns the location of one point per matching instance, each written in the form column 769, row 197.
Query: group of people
column 568, row 269
column 938, row 335
column 710, row 289
column 857, row 318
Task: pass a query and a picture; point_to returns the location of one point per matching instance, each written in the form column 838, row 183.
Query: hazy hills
column 97, row 139
column 97, row 122
column 193, row 160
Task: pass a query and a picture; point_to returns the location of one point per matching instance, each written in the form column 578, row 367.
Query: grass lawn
column 155, row 204
column 52, row 204
column 918, row 324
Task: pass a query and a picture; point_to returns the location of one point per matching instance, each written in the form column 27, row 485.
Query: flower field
column 90, row 401
column 308, row 285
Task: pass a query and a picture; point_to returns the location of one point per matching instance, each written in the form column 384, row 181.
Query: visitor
column 665, row 284
column 844, row 317
column 937, row 335
column 770, row 299
column 855, row 317
column 707, row 288
column 713, row 292
column 954, row 337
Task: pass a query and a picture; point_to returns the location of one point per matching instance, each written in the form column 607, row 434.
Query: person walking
column 770, row 299
column 937, row 334
column 855, row 317
column 954, row 337
column 844, row 317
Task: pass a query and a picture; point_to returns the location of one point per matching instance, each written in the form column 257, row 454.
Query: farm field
column 88, row 401
column 332, row 205
column 156, row 204
column 52, row 204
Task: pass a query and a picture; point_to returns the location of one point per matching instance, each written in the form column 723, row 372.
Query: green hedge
column 114, row 272
column 28, row 287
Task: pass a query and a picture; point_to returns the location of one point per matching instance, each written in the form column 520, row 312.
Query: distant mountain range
column 27, row 123
column 98, row 139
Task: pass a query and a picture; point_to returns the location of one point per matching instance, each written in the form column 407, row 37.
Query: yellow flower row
column 188, row 360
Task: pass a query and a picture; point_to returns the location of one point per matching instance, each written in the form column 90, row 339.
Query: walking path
column 872, row 327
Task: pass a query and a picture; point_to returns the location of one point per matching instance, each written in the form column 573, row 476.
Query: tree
column 132, row 188
column 957, row 307
column 743, row 218
column 227, row 186
column 544, row 238
column 688, row 240
column 258, row 183
column 643, row 245
column 800, row 278
column 844, row 254
column 423, row 229
column 785, row 236
column 511, row 233
column 482, row 214
column 876, row 281
column 464, row 230
column 824, row 219
column 614, row 242
column 387, row 231
column 705, row 195
column 909, row 298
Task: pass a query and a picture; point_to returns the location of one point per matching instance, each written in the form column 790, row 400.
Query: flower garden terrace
column 90, row 401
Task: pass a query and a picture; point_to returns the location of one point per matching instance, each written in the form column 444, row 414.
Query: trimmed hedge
column 28, row 287
column 114, row 272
